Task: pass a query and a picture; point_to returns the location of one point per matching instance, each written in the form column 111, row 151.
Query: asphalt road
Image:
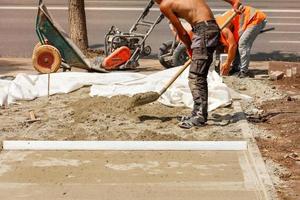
column 17, row 25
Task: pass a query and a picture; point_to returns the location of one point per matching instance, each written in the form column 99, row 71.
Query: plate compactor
column 123, row 49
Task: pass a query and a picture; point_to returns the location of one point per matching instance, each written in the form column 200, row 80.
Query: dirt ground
column 274, row 113
column 275, row 116
column 281, row 145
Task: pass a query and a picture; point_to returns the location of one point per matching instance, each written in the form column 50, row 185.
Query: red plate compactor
column 123, row 49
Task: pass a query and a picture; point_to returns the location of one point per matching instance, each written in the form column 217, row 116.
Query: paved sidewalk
column 13, row 66
column 211, row 175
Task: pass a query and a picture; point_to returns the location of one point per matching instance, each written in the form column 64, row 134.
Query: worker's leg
column 198, row 85
column 236, row 64
column 245, row 45
column 204, row 44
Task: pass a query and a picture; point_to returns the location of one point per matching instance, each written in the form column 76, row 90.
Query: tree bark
column 77, row 24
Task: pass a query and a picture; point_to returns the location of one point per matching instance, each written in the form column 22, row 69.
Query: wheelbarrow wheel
column 39, row 44
column 46, row 58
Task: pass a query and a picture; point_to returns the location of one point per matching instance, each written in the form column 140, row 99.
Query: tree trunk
column 77, row 24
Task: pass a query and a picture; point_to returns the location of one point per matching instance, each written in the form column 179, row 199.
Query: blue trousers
column 242, row 58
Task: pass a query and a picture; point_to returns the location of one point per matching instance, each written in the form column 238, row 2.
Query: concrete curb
column 126, row 145
column 255, row 157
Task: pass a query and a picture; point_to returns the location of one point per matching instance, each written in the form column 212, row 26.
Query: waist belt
column 204, row 24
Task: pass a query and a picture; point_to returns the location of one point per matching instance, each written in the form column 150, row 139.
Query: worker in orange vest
column 238, row 37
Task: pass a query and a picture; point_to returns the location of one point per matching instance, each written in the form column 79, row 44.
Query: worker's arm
column 232, row 47
column 182, row 33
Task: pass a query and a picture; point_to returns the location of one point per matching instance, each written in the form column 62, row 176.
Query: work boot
column 243, row 74
column 234, row 72
column 192, row 121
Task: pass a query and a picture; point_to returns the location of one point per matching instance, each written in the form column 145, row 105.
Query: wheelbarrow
column 56, row 49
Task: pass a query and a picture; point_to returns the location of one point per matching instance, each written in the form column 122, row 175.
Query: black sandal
column 192, row 121
column 186, row 124
column 184, row 117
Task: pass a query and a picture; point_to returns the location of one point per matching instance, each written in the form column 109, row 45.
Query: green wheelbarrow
column 56, row 49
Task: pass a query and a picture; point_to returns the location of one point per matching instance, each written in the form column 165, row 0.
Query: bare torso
column 193, row 11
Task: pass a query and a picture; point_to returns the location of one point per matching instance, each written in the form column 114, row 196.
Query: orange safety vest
column 248, row 18
column 221, row 19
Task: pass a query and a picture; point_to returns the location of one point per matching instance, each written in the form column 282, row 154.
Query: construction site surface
column 267, row 169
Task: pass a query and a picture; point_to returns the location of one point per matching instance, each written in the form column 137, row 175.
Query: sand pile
column 77, row 116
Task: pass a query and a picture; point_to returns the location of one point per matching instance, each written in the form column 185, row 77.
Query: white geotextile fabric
column 29, row 87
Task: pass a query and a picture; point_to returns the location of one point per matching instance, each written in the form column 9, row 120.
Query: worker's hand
column 225, row 68
column 238, row 8
column 190, row 52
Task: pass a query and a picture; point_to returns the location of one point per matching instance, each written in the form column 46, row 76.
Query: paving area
column 128, row 175
column 74, row 116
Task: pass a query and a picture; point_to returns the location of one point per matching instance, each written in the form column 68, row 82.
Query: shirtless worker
column 200, row 48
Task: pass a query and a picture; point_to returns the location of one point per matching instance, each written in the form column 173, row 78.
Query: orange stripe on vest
column 248, row 18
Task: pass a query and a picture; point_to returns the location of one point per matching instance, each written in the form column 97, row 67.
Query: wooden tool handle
column 187, row 63
column 178, row 73
column 230, row 18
